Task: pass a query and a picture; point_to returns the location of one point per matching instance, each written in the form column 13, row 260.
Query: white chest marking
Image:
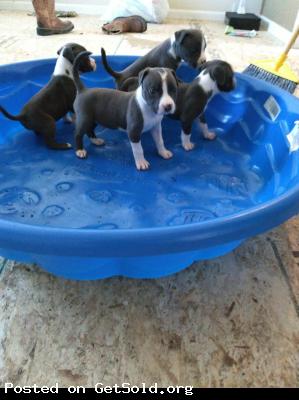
column 207, row 83
column 150, row 118
column 63, row 67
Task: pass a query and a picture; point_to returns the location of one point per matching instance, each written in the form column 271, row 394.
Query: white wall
column 277, row 11
column 205, row 5
column 82, row 6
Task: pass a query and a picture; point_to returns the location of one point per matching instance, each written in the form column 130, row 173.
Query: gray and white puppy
column 185, row 45
column 192, row 98
column 55, row 99
column 134, row 112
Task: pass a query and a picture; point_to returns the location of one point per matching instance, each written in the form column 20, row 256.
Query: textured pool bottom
column 94, row 218
column 105, row 191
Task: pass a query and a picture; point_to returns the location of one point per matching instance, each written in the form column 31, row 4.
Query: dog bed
column 99, row 217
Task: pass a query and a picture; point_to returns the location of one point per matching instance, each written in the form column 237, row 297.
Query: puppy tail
column 116, row 75
column 78, row 83
column 10, row 116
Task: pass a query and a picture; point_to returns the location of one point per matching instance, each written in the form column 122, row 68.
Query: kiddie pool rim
column 151, row 241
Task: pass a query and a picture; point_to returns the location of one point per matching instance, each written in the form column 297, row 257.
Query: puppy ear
column 219, row 75
column 70, row 49
column 59, row 51
column 142, row 74
column 181, row 35
column 68, row 54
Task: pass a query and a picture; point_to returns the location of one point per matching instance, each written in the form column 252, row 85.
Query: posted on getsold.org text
column 100, row 388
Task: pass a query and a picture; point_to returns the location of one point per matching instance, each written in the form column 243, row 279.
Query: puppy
column 135, row 112
column 188, row 45
column 55, row 99
column 192, row 98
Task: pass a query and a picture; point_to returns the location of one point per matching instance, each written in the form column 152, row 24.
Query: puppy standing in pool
column 192, row 98
column 135, row 112
column 55, row 99
column 185, row 45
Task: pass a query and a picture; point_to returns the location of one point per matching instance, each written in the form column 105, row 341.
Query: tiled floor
column 232, row 321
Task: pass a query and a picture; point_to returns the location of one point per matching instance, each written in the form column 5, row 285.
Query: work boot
column 47, row 22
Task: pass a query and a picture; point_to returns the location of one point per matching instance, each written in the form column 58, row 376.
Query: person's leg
column 47, row 22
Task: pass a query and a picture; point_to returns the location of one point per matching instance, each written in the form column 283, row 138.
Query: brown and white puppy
column 185, row 45
column 192, row 98
column 135, row 112
column 55, row 99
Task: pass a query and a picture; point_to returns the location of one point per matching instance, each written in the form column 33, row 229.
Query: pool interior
column 248, row 164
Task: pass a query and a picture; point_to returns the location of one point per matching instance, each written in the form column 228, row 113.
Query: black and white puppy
column 55, row 99
column 185, row 45
column 134, row 112
column 192, row 98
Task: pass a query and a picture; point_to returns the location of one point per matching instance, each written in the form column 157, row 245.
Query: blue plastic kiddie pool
column 94, row 218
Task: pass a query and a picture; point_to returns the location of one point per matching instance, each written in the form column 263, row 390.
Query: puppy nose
column 202, row 61
column 167, row 108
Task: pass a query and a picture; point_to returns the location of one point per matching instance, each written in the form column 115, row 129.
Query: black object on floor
column 242, row 21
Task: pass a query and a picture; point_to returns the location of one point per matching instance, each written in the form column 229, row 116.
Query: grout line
column 118, row 46
column 284, row 273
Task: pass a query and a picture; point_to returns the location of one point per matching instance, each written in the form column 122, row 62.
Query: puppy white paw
column 68, row 145
column 142, row 165
column 81, row 153
column 188, row 146
column 97, row 141
column 210, row 135
column 166, row 154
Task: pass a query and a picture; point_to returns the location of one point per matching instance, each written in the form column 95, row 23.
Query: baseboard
column 87, row 9
column 16, row 5
column 99, row 10
column 277, row 30
column 177, row 13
